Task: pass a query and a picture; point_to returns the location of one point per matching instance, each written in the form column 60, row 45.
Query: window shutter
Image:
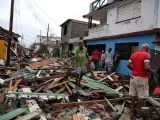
column 129, row 11
column 136, row 9
column 124, row 12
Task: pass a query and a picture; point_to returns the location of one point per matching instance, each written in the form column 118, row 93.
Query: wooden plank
column 97, row 91
column 56, row 85
column 88, row 102
column 60, row 90
column 108, row 76
column 81, row 118
column 50, row 77
column 75, row 117
column 40, row 64
column 69, row 90
column 110, row 104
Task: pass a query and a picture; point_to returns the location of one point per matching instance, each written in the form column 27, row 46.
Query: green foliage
column 43, row 49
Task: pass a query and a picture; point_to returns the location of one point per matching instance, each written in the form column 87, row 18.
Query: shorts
column 139, row 87
column 109, row 66
column 80, row 70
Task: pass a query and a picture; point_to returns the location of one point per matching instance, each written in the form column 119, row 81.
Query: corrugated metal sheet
column 129, row 11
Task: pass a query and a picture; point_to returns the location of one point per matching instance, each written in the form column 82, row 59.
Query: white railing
column 98, row 31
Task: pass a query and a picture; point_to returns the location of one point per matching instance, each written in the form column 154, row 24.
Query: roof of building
column 4, row 34
column 156, row 30
column 73, row 20
column 102, row 9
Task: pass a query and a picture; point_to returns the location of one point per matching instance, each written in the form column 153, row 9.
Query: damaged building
column 124, row 25
column 71, row 32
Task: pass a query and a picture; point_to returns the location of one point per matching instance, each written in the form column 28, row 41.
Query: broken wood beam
column 55, row 85
column 69, row 90
column 88, row 102
column 50, row 77
column 60, row 90
column 110, row 104
column 108, row 77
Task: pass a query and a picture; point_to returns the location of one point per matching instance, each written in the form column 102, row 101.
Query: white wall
column 139, row 24
column 158, row 25
column 157, row 46
column 145, row 22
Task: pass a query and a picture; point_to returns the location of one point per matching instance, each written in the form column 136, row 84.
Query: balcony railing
column 97, row 4
column 98, row 31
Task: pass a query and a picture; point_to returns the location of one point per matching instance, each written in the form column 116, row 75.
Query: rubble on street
column 46, row 90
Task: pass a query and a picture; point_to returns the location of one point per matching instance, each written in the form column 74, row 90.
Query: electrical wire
column 35, row 14
column 19, row 13
column 33, row 1
column 57, row 25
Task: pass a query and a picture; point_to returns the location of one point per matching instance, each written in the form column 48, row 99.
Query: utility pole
column 10, row 31
column 22, row 40
column 35, row 39
column 47, row 34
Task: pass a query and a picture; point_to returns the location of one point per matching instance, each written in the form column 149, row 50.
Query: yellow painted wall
column 2, row 49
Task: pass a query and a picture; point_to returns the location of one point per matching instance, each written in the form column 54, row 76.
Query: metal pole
column 10, row 31
column 22, row 40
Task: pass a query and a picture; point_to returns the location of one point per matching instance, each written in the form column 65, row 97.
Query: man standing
column 109, row 60
column 116, row 59
column 139, row 88
column 103, row 59
column 95, row 58
column 81, row 62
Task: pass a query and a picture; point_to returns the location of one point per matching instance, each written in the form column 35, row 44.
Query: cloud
column 53, row 12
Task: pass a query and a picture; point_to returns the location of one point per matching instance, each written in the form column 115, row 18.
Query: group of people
column 138, row 63
column 105, row 60
column 83, row 63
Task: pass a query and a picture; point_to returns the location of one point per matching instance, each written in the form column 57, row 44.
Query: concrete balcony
column 98, row 31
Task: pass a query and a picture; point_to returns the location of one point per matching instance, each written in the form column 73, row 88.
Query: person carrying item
column 139, row 88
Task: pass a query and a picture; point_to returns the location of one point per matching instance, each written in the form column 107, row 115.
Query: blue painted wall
column 110, row 43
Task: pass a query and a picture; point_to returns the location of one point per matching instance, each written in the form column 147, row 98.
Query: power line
column 44, row 12
column 34, row 14
column 19, row 13
column 38, row 17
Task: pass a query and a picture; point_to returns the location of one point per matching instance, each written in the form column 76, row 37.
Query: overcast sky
column 57, row 12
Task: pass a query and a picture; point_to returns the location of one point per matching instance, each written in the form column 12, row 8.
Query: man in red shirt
column 96, row 55
column 139, row 64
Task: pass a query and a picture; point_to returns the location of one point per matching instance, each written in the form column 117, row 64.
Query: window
column 126, row 49
column 129, row 11
column 65, row 29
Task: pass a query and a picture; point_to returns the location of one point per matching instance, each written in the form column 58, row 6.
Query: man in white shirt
column 109, row 60
column 103, row 59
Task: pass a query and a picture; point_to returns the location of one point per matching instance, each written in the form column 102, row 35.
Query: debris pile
column 47, row 90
